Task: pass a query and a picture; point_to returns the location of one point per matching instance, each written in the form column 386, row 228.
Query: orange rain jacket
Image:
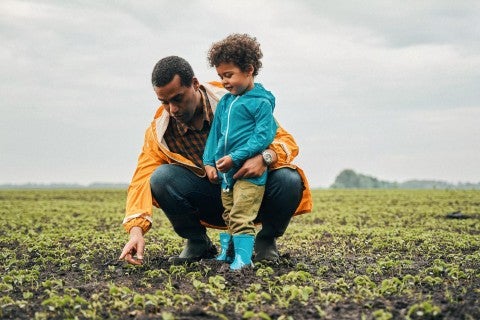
column 155, row 153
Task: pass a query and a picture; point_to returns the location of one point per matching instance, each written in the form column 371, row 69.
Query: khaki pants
column 241, row 206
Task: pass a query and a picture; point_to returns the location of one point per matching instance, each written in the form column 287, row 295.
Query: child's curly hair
column 239, row 49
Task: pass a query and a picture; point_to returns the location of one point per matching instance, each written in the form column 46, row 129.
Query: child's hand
column 224, row 164
column 211, row 174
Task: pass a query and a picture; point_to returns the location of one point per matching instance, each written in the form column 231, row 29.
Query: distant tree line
column 349, row 179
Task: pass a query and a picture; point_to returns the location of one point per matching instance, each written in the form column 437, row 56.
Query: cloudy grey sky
column 387, row 88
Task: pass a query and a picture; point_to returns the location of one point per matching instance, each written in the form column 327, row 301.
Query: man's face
column 179, row 101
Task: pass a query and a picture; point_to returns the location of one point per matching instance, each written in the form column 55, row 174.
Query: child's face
column 235, row 80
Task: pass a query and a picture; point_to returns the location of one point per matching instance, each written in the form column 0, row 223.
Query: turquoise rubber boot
column 225, row 239
column 243, row 246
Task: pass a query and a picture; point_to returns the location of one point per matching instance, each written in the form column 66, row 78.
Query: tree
column 349, row 179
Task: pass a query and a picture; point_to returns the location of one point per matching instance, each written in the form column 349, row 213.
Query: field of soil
column 362, row 254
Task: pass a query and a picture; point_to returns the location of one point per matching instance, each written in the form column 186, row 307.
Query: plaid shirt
column 188, row 141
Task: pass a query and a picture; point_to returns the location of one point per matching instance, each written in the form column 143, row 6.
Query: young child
column 243, row 126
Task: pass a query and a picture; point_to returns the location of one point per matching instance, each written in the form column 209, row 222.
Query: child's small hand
column 211, row 174
column 224, row 164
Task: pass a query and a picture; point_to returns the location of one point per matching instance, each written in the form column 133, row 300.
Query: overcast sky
column 387, row 88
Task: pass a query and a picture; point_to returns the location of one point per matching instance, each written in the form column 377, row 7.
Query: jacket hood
column 259, row 91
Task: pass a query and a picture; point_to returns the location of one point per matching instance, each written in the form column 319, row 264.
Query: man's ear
column 195, row 83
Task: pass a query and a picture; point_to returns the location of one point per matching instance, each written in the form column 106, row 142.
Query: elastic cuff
column 138, row 222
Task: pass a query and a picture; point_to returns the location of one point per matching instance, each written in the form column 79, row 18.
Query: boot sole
column 210, row 253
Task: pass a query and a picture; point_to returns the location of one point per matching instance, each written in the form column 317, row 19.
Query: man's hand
column 135, row 245
column 212, row 174
column 254, row 167
column 224, row 164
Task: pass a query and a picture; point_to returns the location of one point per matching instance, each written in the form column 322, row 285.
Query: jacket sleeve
column 212, row 140
column 284, row 146
column 265, row 129
column 139, row 197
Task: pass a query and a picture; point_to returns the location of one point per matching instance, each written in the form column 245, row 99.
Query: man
column 170, row 173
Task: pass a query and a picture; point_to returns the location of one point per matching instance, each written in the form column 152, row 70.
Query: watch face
column 267, row 157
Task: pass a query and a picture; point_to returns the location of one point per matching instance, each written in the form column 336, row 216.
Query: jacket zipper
column 227, row 188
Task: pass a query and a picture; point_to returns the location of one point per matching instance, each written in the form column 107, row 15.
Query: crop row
column 362, row 254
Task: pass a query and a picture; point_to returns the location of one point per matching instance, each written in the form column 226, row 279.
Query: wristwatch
column 267, row 157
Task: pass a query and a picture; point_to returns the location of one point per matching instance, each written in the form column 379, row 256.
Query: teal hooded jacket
column 243, row 126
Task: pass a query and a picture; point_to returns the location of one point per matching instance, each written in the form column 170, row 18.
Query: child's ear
column 250, row 69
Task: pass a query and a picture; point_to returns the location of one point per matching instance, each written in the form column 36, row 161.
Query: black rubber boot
column 196, row 249
column 266, row 250
column 265, row 245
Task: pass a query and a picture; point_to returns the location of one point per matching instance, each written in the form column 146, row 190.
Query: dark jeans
column 186, row 199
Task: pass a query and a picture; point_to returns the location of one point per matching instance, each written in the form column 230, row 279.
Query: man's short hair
column 166, row 69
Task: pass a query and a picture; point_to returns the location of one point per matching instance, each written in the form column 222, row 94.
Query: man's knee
column 161, row 176
column 284, row 180
column 164, row 182
column 286, row 175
